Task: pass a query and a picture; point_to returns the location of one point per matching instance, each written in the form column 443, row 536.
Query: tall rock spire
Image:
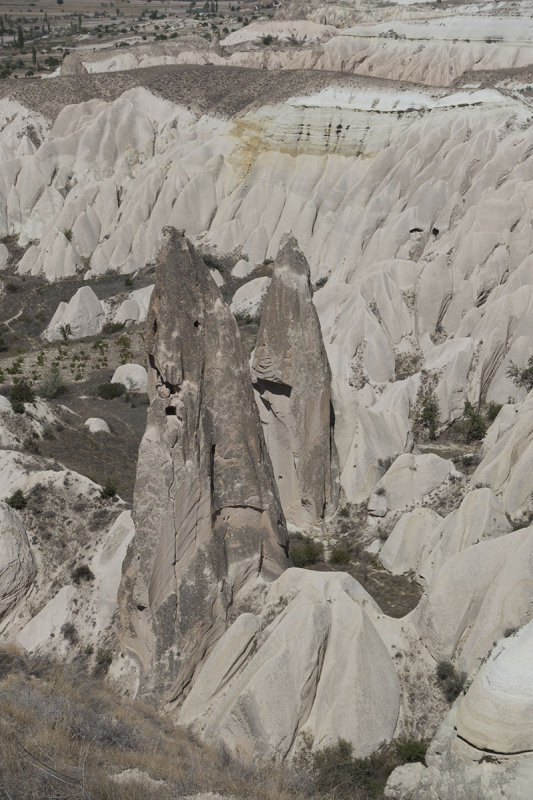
column 209, row 524
column 292, row 380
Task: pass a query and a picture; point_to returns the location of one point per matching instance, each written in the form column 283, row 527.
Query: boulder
column 408, row 539
column 96, row 425
column 248, row 299
column 292, row 381
column 135, row 307
column 133, row 376
column 209, row 527
column 17, row 566
column 84, row 314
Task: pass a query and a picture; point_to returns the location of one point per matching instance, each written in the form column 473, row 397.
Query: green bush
column 475, row 427
column 339, row 555
column 17, row 500
column 110, row 390
column 338, row 774
column 21, row 392
column 522, row 377
column 429, row 415
column 305, row 551
column 493, row 410
column 109, row 489
column 112, row 327
column 52, row 383
column 82, row 573
column 451, row 681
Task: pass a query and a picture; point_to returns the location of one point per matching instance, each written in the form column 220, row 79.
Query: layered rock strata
column 209, row 523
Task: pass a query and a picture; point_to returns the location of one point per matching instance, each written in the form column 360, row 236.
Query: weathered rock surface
column 277, row 676
column 17, row 565
column 133, row 376
column 292, row 380
column 96, row 425
column 209, row 524
column 482, row 750
column 84, row 314
column 248, row 299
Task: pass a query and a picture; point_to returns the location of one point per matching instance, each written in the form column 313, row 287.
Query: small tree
column 429, row 416
column 476, row 428
column 33, row 55
column 20, row 38
column 522, row 377
column 21, row 392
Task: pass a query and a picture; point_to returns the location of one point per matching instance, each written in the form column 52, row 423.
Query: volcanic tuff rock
column 17, row 565
column 292, row 380
column 209, row 524
column 276, row 677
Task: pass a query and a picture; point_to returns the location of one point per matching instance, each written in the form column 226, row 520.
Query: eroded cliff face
column 292, row 380
column 209, row 523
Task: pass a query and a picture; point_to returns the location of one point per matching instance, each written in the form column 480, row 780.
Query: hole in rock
column 415, row 230
column 170, row 411
column 435, row 231
column 196, row 323
column 154, row 327
column 140, row 607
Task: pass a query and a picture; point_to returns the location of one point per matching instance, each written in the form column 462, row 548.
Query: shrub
column 344, row 513
column 339, row 555
column 21, row 392
column 112, row 327
column 128, row 281
column 67, row 233
column 109, row 489
column 65, row 331
column 103, row 660
column 52, row 383
column 475, row 428
column 17, row 500
column 493, row 410
column 429, row 416
column 337, row 773
column 110, row 390
column 69, row 632
column 451, row 681
column 268, row 39
column 305, row 551
column 522, row 377
column 82, row 573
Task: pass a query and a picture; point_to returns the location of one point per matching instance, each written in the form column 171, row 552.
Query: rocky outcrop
column 82, row 316
column 276, row 678
column 483, row 749
column 17, row 565
column 292, row 380
column 209, row 524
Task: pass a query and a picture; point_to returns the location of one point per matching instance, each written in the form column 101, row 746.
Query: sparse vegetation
column 17, row 500
column 82, row 573
column 21, row 392
column 112, row 327
column 493, row 409
column 339, row 555
column 52, row 383
column 429, row 414
column 108, row 391
column 475, row 427
column 305, row 551
column 109, row 489
column 336, row 773
column 522, row 377
column 451, row 681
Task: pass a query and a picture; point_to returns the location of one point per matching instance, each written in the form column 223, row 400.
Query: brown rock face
column 292, row 379
column 209, row 524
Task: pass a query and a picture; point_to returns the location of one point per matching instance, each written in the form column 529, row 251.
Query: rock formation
column 292, row 380
column 17, row 565
column 209, row 524
column 276, row 677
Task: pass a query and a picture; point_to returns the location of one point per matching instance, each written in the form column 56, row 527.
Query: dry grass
column 63, row 734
